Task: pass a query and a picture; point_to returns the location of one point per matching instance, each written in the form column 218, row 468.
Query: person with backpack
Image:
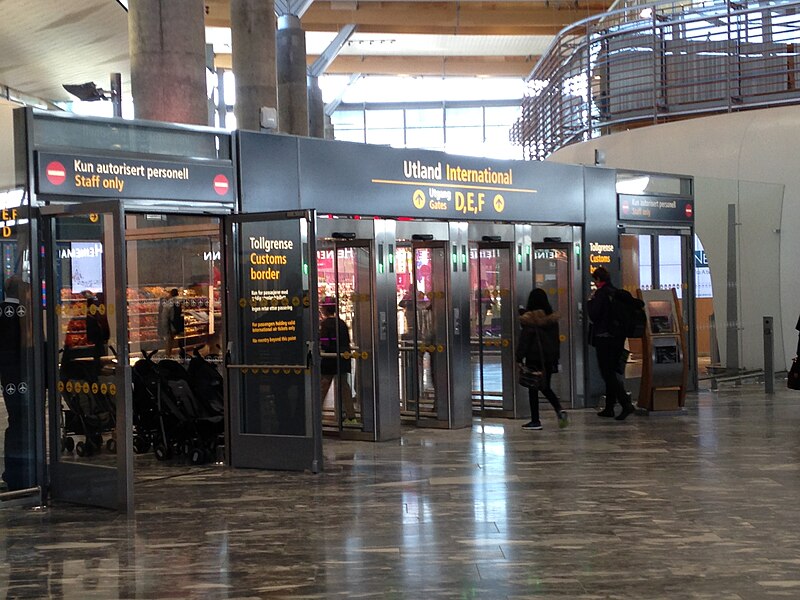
column 539, row 348
column 607, row 335
column 170, row 320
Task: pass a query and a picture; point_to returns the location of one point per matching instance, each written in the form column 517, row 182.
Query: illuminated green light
column 391, row 258
column 305, row 268
column 380, row 268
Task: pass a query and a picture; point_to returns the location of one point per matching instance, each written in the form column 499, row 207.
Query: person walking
column 797, row 327
column 609, row 344
column 334, row 340
column 539, row 348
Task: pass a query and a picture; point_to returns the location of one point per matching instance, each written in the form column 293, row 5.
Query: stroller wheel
column 81, row 449
column 68, row 444
column 197, row 456
column 97, row 440
column 140, row 444
column 111, row 445
column 162, row 452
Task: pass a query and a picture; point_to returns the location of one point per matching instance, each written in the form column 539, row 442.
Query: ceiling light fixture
column 89, row 92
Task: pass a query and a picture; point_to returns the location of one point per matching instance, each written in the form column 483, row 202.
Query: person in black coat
column 797, row 327
column 608, row 344
column 539, row 348
column 334, row 339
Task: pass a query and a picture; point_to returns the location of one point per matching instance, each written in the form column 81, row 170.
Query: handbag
column 531, row 378
column 793, row 379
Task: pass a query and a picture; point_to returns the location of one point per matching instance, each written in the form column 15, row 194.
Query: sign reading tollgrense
column 273, row 299
column 107, row 177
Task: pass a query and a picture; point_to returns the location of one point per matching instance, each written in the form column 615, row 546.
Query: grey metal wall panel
column 268, row 172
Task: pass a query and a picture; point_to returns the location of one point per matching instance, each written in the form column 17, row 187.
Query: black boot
column 627, row 408
column 608, row 411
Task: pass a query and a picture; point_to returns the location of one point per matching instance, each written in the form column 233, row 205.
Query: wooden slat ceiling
column 45, row 43
column 493, row 20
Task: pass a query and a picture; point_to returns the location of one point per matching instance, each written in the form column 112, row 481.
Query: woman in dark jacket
column 539, row 321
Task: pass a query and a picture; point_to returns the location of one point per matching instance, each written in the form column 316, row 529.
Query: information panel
column 273, row 299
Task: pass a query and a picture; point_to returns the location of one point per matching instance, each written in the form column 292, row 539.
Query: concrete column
column 292, row 92
column 168, row 60
column 253, row 45
column 316, row 109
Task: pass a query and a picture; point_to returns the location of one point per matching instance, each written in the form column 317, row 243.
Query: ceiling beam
column 451, row 66
column 332, row 51
column 467, row 18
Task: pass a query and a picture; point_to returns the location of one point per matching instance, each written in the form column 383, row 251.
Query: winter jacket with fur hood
column 528, row 348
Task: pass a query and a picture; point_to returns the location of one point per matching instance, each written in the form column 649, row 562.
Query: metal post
column 116, row 93
column 769, row 367
column 732, row 321
column 222, row 107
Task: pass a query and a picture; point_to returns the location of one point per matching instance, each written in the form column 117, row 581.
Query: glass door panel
column 552, row 274
column 345, row 291
column 422, row 330
column 90, row 400
column 491, row 322
column 656, row 260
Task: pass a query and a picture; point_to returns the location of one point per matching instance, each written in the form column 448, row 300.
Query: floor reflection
column 696, row 506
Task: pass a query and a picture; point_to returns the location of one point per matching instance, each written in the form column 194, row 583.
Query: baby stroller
column 147, row 427
column 206, row 383
column 208, row 387
column 86, row 411
column 188, row 425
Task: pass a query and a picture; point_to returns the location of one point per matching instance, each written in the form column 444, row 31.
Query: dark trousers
column 609, row 352
column 533, row 398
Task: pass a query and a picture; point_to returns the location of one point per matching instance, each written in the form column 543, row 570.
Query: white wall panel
column 6, row 147
column 747, row 147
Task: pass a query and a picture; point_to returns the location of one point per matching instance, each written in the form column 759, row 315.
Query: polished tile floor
column 696, row 506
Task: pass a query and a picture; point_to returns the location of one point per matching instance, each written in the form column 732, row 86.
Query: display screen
column 86, row 266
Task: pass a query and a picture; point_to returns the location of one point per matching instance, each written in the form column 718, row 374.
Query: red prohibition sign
column 221, row 184
column 56, row 173
column 688, row 210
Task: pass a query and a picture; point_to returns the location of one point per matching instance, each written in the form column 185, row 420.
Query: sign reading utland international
column 423, row 184
column 656, row 208
column 115, row 177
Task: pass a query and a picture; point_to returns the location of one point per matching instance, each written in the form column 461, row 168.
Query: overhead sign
column 425, row 184
column 115, row 177
column 655, row 208
column 366, row 180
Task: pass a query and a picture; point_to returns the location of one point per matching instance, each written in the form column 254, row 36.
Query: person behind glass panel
column 170, row 320
column 334, row 340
